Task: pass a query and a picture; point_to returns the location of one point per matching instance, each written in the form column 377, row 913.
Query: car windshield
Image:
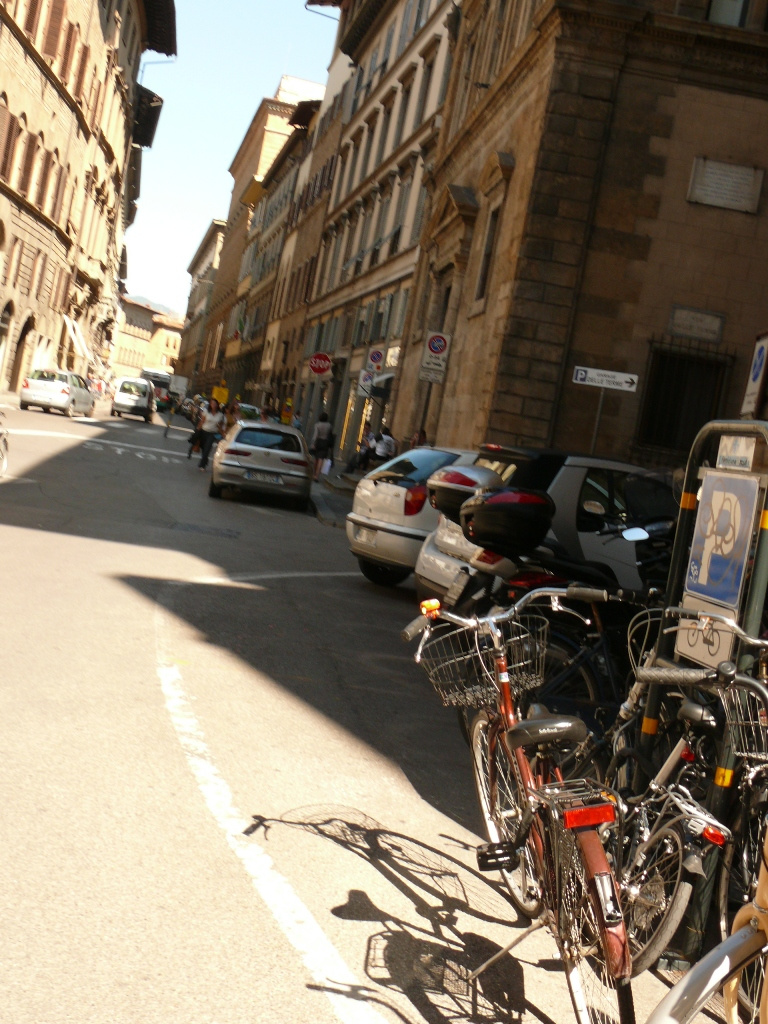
column 413, row 468
column 268, row 437
column 133, row 387
column 533, row 474
column 49, row 375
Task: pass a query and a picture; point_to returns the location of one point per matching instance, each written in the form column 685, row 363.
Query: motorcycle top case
column 510, row 521
column 450, row 487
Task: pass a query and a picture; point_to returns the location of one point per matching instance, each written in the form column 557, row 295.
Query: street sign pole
column 597, row 422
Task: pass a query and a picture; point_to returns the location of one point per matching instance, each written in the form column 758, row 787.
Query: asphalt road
column 228, row 795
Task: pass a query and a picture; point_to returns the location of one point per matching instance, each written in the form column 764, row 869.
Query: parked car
column 62, row 390
column 594, row 499
column 391, row 516
column 134, row 396
column 265, row 458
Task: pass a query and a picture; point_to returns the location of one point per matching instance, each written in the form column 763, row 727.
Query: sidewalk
column 332, row 496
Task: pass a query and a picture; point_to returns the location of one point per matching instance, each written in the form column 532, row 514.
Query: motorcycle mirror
column 635, row 533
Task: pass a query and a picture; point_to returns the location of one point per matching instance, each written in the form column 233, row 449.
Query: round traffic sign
column 437, row 344
column 376, row 356
column 320, row 362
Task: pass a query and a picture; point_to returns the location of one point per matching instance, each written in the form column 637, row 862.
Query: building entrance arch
column 20, row 355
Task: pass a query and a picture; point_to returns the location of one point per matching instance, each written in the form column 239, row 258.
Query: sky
column 231, row 55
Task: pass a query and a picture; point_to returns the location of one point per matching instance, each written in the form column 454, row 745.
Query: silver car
column 265, row 458
column 62, row 390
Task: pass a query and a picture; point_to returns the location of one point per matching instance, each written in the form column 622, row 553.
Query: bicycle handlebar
column 413, row 629
column 724, row 676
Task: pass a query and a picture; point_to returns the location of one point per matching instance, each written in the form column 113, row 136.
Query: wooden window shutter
column 69, row 49
column 5, row 125
column 42, row 185
column 53, row 29
column 81, row 69
column 28, row 163
column 58, row 196
column 9, row 147
column 33, row 13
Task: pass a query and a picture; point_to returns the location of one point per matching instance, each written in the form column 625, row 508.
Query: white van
column 135, row 397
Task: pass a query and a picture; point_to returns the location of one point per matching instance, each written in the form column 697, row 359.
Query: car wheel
column 214, row 490
column 383, row 575
column 148, row 418
column 93, row 406
column 23, row 406
column 70, row 410
column 112, row 412
column 45, row 408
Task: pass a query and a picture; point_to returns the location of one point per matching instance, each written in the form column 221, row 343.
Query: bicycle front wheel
column 500, row 797
column 590, row 944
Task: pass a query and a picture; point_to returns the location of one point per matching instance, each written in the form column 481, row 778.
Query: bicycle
column 745, row 701
column 543, row 830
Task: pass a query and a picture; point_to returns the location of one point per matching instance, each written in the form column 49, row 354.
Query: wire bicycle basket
column 460, row 662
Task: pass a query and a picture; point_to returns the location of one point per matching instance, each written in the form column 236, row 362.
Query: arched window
column 57, row 192
column 13, row 264
column 10, row 130
column 28, row 163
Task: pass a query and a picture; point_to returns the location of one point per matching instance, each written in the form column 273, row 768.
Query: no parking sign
column 754, row 391
column 434, row 359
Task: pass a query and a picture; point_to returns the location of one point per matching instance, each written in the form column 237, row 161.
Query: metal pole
column 597, row 421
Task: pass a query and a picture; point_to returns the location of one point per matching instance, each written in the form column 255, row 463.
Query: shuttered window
column 81, row 69
column 33, row 14
column 69, row 51
column 42, row 184
column 53, row 28
column 28, row 163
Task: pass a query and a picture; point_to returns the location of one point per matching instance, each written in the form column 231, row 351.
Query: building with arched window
column 73, row 122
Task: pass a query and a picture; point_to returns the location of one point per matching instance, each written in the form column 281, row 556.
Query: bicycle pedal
column 497, row 857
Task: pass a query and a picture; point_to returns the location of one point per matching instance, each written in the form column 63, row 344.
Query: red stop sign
column 320, row 362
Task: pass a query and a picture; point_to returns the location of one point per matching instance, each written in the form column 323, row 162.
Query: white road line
column 92, row 441
column 319, row 955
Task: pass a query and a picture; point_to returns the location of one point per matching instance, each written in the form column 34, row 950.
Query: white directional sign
column 605, row 378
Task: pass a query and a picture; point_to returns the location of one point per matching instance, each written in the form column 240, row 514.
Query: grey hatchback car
column 264, row 458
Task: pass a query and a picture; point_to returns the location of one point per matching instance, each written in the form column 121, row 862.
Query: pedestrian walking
column 212, row 425
column 386, row 445
column 366, row 449
column 321, row 445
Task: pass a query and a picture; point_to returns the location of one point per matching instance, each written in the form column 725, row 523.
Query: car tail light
column 455, row 476
column 25, row 383
column 414, row 499
column 492, row 447
column 240, row 452
column 294, row 462
column 592, row 814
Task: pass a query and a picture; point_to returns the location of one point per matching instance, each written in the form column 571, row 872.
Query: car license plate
column 263, row 478
column 367, row 537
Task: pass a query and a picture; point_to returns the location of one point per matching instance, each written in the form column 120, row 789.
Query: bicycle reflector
column 430, row 609
column 713, row 835
column 588, row 815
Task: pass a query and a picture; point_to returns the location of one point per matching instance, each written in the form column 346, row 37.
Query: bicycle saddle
column 553, row 729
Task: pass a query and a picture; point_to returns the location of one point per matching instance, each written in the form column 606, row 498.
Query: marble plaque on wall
column 729, row 186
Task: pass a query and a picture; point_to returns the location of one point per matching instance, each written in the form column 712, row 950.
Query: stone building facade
column 596, row 200
column 146, row 338
column 73, row 120
column 202, row 269
column 228, row 338
column 369, row 247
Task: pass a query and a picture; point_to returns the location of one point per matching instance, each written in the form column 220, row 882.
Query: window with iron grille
column 684, row 391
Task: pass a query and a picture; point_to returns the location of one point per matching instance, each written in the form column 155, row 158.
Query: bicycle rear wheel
column 499, row 796
column 655, row 895
column 590, row 944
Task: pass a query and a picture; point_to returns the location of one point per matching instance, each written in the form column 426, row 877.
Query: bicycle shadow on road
column 428, row 959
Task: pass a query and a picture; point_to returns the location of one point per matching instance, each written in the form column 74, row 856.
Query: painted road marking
column 321, row 958
column 92, row 445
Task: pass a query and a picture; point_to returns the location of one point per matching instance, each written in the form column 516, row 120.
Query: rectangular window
column 352, row 168
column 485, row 266
column 405, row 25
column 387, row 49
column 684, row 392
column 728, row 12
column 422, row 13
column 386, row 118
column 426, row 82
column 33, row 13
column 419, row 215
column 53, row 29
column 402, row 310
column 402, row 113
column 365, row 169
column 400, row 210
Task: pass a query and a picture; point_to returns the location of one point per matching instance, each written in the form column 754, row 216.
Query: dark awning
column 161, row 26
column 148, row 107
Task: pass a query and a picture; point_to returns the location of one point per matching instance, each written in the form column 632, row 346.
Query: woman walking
column 321, row 445
column 211, row 426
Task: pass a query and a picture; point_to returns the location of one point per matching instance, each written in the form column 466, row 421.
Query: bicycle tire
column 706, row 979
column 736, row 887
column 569, row 686
column 502, row 809
column 598, row 995
column 655, row 896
